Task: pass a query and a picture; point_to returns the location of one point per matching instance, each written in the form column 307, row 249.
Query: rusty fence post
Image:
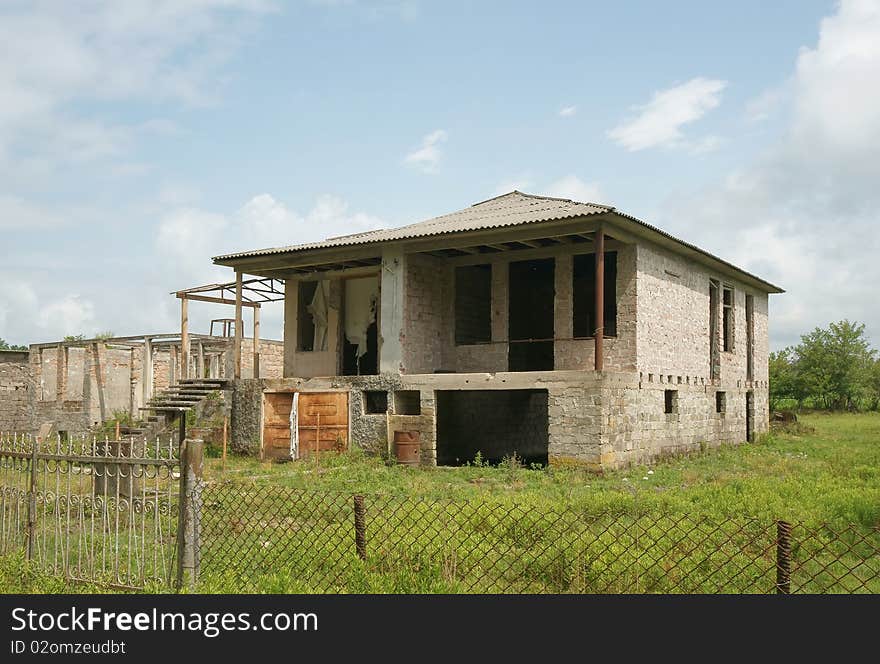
column 189, row 513
column 32, row 503
column 783, row 557
column 360, row 527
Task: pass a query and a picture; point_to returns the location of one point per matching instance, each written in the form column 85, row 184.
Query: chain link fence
column 136, row 515
column 256, row 536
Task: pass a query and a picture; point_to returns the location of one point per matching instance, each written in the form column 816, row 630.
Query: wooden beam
column 599, row 332
column 216, row 300
column 236, row 348
column 256, row 343
column 184, row 338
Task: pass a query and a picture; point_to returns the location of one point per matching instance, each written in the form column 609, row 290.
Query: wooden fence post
column 783, row 557
column 189, row 513
column 360, row 527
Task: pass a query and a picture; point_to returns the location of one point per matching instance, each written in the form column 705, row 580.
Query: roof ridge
column 545, row 198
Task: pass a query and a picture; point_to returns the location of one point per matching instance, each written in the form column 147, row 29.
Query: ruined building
column 560, row 331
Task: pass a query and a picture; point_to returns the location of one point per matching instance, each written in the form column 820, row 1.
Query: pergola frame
column 240, row 293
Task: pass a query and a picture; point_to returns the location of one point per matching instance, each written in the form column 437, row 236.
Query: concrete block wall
column 673, row 329
column 429, row 323
column 17, row 395
column 425, row 320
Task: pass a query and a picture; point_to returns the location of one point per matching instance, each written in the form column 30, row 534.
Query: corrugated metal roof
column 513, row 209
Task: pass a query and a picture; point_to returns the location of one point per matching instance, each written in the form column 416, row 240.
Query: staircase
column 182, row 397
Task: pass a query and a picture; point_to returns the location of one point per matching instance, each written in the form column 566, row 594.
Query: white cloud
column 660, row 121
column 567, row 111
column 704, row 145
column 189, row 237
column 574, row 188
column 26, row 317
column 765, row 104
column 69, row 315
column 427, row 155
column 54, row 56
column 803, row 215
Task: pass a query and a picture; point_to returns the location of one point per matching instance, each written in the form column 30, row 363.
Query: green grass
column 702, row 523
column 829, row 471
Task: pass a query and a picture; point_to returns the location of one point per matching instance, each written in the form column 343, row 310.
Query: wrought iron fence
column 98, row 511
column 256, row 536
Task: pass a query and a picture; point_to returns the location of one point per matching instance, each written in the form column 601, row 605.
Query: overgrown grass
column 491, row 529
column 827, row 470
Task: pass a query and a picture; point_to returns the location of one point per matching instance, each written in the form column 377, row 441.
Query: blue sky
column 137, row 139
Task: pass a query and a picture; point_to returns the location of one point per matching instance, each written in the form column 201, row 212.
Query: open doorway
column 360, row 347
column 494, row 423
column 530, row 323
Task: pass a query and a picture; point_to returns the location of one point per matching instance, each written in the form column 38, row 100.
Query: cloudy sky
column 139, row 138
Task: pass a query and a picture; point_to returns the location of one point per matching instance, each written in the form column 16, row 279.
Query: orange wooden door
column 323, row 422
column 276, row 425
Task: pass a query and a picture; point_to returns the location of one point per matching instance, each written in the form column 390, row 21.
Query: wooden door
column 276, row 425
column 322, row 422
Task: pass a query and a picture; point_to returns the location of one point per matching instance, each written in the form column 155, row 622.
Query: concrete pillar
column 291, row 305
column 147, row 371
column 500, row 308
column 564, row 303
column 391, row 332
column 184, row 338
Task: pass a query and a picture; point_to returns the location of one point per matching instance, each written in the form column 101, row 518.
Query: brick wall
column 429, row 323
column 426, row 320
column 16, row 396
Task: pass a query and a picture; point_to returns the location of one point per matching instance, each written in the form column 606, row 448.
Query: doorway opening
column 496, row 424
column 360, row 344
column 531, row 320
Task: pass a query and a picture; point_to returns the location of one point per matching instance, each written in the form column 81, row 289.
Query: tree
column 783, row 377
column 6, row 346
column 834, row 364
column 874, row 385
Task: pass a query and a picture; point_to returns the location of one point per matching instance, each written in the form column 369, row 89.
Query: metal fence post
column 360, row 527
column 783, row 557
column 189, row 513
column 32, row 502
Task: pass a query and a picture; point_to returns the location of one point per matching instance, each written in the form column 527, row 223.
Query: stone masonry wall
column 16, row 397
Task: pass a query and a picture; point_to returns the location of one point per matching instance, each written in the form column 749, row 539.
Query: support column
column 236, row 348
column 599, row 332
column 200, row 366
column 172, row 365
column 184, row 338
column 147, row 371
column 291, row 307
column 392, row 285
column 256, row 342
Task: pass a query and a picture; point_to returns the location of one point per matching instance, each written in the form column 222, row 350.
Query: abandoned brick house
column 557, row 330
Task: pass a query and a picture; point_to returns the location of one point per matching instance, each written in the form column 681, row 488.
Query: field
column 704, row 523
column 826, row 470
